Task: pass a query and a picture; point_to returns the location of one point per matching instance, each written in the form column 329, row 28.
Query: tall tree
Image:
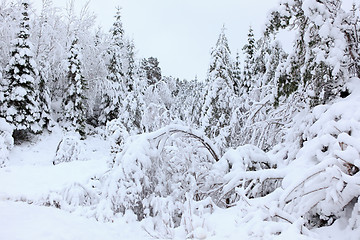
column 132, row 103
column 249, row 51
column 73, row 101
column 220, row 95
column 19, row 106
column 115, row 80
column 237, row 74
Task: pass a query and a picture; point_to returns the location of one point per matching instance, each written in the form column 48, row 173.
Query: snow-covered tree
column 73, row 101
column 260, row 122
column 187, row 101
column 43, row 97
column 19, row 106
column 115, row 80
column 132, row 104
column 314, row 69
column 220, row 95
column 351, row 29
column 237, row 74
column 157, row 105
column 249, row 51
column 152, row 70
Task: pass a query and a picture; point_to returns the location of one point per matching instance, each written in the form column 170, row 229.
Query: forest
column 267, row 147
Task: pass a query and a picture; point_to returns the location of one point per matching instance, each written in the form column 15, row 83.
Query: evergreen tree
column 220, row 95
column 43, row 97
column 131, row 67
column 314, row 69
column 261, row 121
column 249, row 51
column 152, row 70
column 73, row 101
column 132, row 104
column 236, row 74
column 19, row 106
column 115, row 85
column 351, row 30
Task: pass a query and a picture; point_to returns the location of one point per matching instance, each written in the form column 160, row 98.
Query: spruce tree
column 220, row 95
column 73, row 102
column 132, row 104
column 249, row 51
column 236, row 74
column 19, row 106
column 115, row 80
column 43, row 97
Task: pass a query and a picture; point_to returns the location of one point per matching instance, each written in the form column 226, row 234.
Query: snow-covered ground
column 20, row 221
column 30, row 176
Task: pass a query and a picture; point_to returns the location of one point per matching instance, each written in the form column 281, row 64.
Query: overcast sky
column 180, row 33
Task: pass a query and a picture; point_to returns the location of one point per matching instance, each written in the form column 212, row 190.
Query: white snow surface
column 22, row 221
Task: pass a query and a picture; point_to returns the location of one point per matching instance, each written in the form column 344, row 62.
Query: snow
column 21, row 221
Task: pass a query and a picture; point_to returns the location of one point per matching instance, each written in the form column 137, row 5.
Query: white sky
column 180, row 33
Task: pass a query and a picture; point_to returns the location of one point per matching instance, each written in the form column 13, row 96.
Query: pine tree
column 73, row 101
column 115, row 85
column 19, row 106
column 220, row 95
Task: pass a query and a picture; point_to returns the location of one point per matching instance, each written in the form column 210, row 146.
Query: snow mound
column 69, row 149
column 6, row 141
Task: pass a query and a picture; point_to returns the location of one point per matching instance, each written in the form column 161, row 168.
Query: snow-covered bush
column 6, row 141
column 153, row 173
column 320, row 161
column 324, row 177
column 69, row 149
column 247, row 168
column 116, row 133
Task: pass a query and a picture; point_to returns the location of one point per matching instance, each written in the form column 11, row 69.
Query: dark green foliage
column 152, row 70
